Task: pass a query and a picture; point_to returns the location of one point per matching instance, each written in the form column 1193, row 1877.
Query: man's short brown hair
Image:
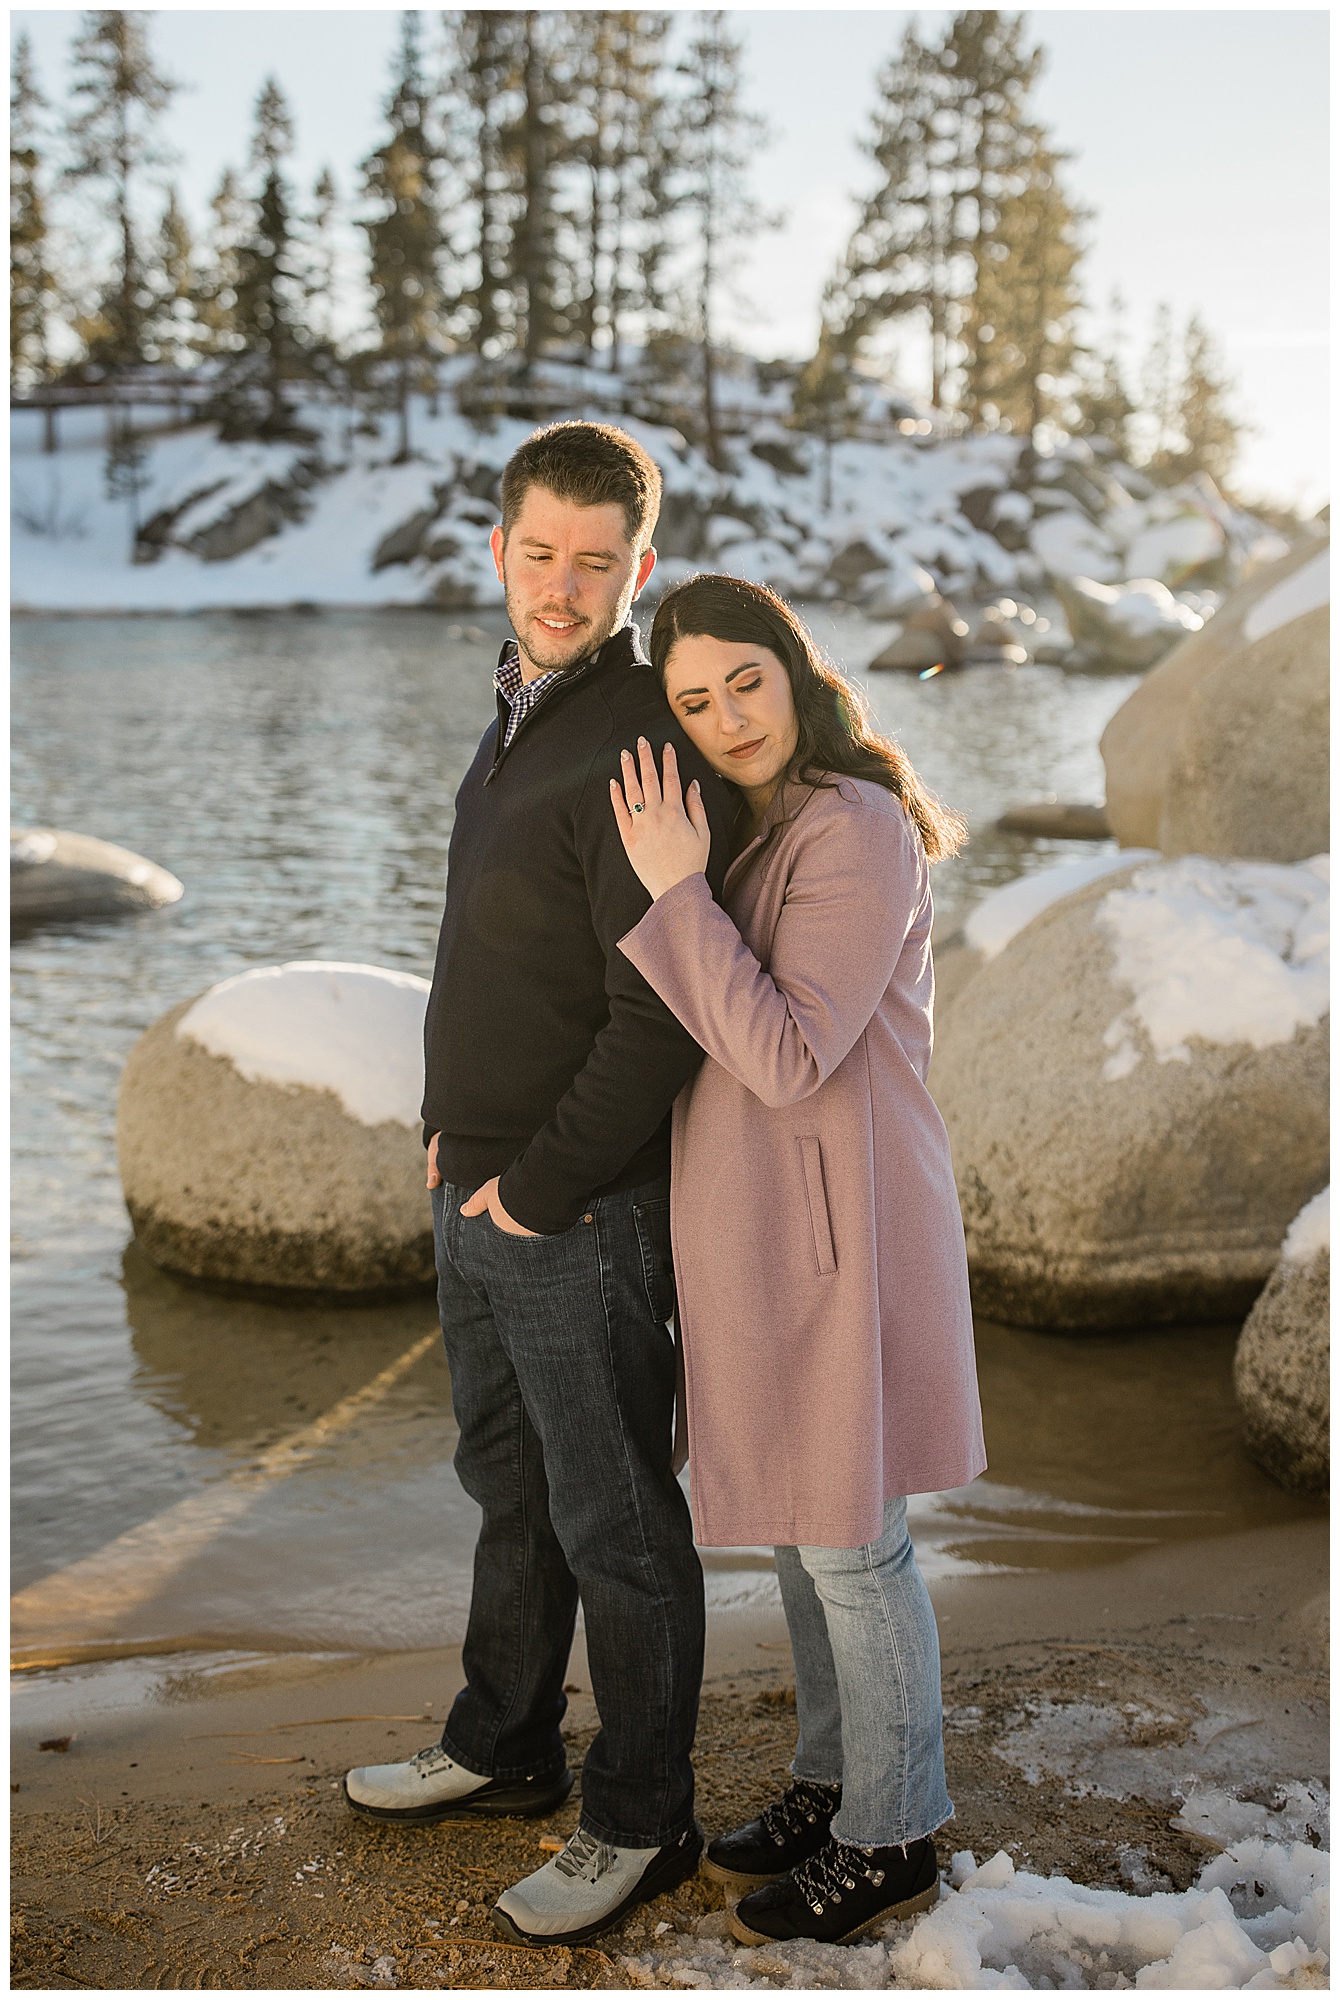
column 593, row 465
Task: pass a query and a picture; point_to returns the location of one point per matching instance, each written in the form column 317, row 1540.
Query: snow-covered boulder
column 268, row 1131
column 1001, row 915
column 54, row 876
column 1135, row 1088
column 1172, row 549
column 900, row 590
column 1218, row 688
column 1126, row 625
column 1282, row 1368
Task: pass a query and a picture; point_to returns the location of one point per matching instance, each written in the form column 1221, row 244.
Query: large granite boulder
column 1135, row 1089
column 1221, row 749
column 54, row 876
column 1282, row 1367
column 268, row 1132
column 932, row 637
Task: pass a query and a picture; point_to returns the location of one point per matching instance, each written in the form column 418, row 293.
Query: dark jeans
column 563, row 1382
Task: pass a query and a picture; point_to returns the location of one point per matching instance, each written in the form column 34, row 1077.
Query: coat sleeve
column 858, row 879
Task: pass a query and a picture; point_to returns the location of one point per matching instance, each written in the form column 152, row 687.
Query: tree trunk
column 402, row 452
column 593, row 252
column 616, row 264
column 710, row 426
column 532, row 261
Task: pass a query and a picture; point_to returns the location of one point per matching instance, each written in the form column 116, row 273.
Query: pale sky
column 1199, row 139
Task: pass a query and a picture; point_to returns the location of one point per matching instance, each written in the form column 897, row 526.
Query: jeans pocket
column 812, row 1162
column 652, row 1222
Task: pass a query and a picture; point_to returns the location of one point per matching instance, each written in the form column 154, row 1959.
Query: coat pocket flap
column 812, row 1159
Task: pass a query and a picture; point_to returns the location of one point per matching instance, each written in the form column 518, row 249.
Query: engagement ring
column 637, row 809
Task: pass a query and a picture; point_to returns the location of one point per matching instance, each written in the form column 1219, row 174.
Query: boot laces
column 802, row 1804
column 585, row 1856
column 834, row 1870
column 426, row 1761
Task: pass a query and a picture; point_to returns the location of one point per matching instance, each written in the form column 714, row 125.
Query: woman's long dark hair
column 837, row 733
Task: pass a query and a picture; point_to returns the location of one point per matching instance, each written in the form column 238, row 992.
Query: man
column 550, row 1070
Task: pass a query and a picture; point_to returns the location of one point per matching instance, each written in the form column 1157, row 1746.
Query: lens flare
column 929, row 673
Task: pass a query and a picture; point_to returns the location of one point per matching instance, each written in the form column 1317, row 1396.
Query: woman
column 823, row 1284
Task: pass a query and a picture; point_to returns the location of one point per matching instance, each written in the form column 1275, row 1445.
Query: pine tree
column 538, row 144
column 1210, row 433
column 1104, row 402
column 170, row 332
column 824, row 400
column 32, row 284
column 319, row 290
column 1158, row 399
column 1020, row 334
column 618, row 59
column 481, row 69
column 951, row 138
column 404, row 236
column 126, row 468
column 655, row 216
column 268, row 312
column 884, row 272
column 122, row 95
column 716, row 136
column 640, row 214
column 987, row 76
column 216, row 289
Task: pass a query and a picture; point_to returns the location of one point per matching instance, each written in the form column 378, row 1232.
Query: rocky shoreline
column 200, row 1837
column 1058, row 551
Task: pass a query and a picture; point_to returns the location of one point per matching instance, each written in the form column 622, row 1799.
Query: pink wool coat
column 819, row 1255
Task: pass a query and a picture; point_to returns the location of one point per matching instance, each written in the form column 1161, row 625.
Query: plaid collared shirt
column 520, row 696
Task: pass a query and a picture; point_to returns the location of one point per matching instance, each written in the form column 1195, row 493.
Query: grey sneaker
column 590, row 1887
column 434, row 1786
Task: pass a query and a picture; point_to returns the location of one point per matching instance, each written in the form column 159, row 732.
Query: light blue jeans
column 867, row 1659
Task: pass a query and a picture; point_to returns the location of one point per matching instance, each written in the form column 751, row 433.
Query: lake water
column 297, row 773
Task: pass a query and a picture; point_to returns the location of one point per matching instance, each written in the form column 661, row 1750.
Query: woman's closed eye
column 744, row 687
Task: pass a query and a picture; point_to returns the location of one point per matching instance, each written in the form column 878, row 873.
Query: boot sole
column 732, row 1878
column 895, row 1912
column 518, row 1802
column 659, row 1880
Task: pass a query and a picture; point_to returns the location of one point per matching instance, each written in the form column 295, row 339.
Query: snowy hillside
column 883, row 522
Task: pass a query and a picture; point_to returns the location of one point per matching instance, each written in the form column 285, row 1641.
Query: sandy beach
column 193, row 1834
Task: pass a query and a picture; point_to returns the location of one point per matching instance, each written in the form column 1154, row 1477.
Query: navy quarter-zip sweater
column 548, row 1058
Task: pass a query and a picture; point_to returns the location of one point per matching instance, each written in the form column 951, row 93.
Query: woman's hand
column 665, row 836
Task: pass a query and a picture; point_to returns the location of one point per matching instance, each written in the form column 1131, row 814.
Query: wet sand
column 193, row 1834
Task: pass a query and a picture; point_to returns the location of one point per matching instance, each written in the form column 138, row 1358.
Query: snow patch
column 1068, row 544
column 1309, row 1232
column 356, row 1030
column 1220, row 951
column 1293, row 1811
column 1004, row 913
column 1139, row 607
column 1170, row 549
column 1256, row 1919
column 1306, row 590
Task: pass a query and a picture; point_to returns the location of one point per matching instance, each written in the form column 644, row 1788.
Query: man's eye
column 696, row 708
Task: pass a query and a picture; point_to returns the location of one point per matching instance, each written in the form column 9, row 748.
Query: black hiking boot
column 786, row 1833
column 839, row 1894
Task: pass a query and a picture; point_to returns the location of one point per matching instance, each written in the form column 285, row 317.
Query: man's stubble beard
column 587, row 639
